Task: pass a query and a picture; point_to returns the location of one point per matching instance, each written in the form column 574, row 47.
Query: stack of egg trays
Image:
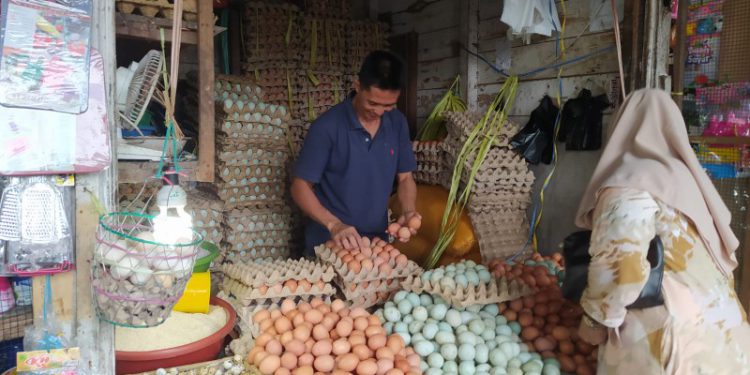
column 495, row 291
column 207, row 212
column 253, row 233
column 271, row 32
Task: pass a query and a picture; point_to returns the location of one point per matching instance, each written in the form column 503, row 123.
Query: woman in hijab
column 649, row 182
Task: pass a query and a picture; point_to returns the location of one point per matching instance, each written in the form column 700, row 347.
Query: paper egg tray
column 252, row 130
column 369, row 300
column 257, row 219
column 241, row 253
column 367, row 288
column 255, row 239
column 213, row 235
column 251, row 156
column 246, row 295
column 236, row 84
column 328, row 8
column 158, row 8
column 250, row 111
column 237, row 175
column 265, row 272
column 328, row 256
column 493, row 216
column 496, row 291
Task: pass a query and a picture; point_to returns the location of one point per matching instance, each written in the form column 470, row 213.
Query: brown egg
column 270, row 364
column 260, row 356
column 337, row 305
column 283, row 371
column 289, row 361
column 362, row 351
column 324, row 363
column 305, row 359
column 367, row 367
column 376, row 342
column 286, row 337
column 347, row 362
column 516, row 305
column 357, row 338
column 584, row 347
column 395, row 343
column 273, row 347
column 541, row 310
column 567, row 347
column 394, row 371
column 266, row 324
column 275, row 314
column 252, row 353
column 567, row 363
column 301, row 333
column 305, row 285
column 401, row 259
column 347, row 258
column 361, row 323
column 584, row 369
column 263, row 339
column 402, row 364
column 304, row 307
column 385, row 255
column 510, row 315
column 374, row 322
column 366, row 251
column 393, row 228
column 344, row 327
column 320, row 332
column 579, row 359
column 384, row 353
column 560, row 333
column 282, row 324
column 359, row 257
column 357, row 312
column 291, row 285
column 354, row 266
column 295, row 347
column 413, row 360
column 344, row 312
column 530, row 333
column 548, row 354
column 525, row 319
column 324, row 308
column 261, row 315
column 314, row 316
column 304, row 370
column 321, row 348
column 543, row 344
column 404, row 233
column 341, row 346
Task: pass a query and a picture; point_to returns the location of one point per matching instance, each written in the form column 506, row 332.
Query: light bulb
column 172, row 225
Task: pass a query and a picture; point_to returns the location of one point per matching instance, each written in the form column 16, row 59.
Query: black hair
column 383, row 70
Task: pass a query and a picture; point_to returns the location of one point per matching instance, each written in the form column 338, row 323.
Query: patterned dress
column 701, row 329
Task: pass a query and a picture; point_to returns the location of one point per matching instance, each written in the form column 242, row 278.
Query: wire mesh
column 728, row 165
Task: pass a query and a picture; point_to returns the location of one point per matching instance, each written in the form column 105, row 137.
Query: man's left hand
column 403, row 220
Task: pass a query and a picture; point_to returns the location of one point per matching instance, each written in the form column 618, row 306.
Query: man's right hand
column 345, row 236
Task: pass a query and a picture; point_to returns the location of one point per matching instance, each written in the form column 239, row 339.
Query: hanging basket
column 137, row 280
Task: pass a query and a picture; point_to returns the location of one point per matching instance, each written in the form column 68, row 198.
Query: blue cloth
column 353, row 173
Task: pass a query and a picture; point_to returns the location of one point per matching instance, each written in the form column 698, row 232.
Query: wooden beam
column 142, row 27
column 95, row 337
column 63, row 296
column 136, row 172
column 680, row 54
column 468, row 36
column 206, row 136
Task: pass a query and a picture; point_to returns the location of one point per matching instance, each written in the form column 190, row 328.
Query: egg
column 305, row 285
column 304, row 370
column 362, row 351
column 384, row 365
column 347, row 362
column 374, row 328
column 301, row 333
column 124, row 267
column 395, row 343
column 560, row 333
column 321, row 348
column 298, row 319
column 279, row 371
column 358, row 311
column 401, row 259
column 384, row 353
column 282, row 324
column 314, row 316
column 367, row 367
column 305, row 359
column 354, row 266
column 337, row 305
column 543, row 344
column 367, row 265
column 393, row 228
column 341, row 346
column 263, row 339
column 320, row 332
column 324, row 363
column 356, row 338
column 344, row 327
column 361, row 323
column 295, row 347
column 288, row 361
column 286, row 337
column 273, row 347
column 404, row 233
column 376, row 342
column 291, row 285
column 269, row 364
column 113, row 252
column 415, row 223
column 141, row 275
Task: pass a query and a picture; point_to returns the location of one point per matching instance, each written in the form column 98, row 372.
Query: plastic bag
column 531, row 16
column 534, row 141
column 34, row 141
column 45, row 56
column 581, row 125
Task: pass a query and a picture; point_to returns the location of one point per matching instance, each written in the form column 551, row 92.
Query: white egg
column 124, row 268
column 141, row 275
column 112, row 253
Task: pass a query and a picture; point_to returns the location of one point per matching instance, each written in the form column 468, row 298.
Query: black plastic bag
column 581, row 123
column 535, row 140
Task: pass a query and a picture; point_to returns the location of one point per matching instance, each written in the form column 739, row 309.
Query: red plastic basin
column 203, row 350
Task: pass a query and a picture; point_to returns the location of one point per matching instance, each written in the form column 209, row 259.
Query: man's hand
column 345, row 236
column 592, row 332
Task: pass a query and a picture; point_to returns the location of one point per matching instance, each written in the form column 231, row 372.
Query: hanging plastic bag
column 581, row 125
column 534, row 141
column 50, row 333
column 530, row 16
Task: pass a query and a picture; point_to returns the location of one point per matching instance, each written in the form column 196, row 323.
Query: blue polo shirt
column 353, row 173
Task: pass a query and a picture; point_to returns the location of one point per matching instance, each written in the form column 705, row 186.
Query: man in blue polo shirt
column 351, row 157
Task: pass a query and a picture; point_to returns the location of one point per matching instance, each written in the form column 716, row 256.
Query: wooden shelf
column 720, row 140
column 136, row 172
column 142, row 27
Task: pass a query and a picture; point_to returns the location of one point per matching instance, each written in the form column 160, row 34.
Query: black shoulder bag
column 577, row 259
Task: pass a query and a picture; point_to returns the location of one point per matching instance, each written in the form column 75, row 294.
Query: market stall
column 155, row 231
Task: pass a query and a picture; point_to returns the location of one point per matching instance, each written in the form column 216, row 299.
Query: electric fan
column 135, row 87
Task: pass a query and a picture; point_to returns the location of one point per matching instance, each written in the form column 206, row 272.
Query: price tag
column 57, row 361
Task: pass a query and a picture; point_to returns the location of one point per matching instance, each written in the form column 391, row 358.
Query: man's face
column 372, row 102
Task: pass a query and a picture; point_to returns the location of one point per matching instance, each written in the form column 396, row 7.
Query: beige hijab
column 649, row 151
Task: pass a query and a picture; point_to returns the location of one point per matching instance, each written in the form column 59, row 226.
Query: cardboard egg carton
column 252, row 112
column 271, row 272
column 236, row 84
column 279, row 238
column 348, row 276
column 247, row 295
column 250, row 174
column 213, row 235
column 241, row 253
column 496, row 291
column 369, row 300
column 250, row 220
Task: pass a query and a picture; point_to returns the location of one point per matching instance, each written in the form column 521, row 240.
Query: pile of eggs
column 405, row 230
column 317, row 337
column 375, row 254
column 476, row 340
column 463, row 274
column 537, row 272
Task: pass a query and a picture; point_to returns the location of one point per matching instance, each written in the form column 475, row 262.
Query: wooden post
column 206, row 139
column 469, row 34
column 680, row 54
column 95, row 337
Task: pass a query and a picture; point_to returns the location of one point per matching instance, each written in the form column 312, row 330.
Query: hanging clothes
column 535, row 140
column 581, row 123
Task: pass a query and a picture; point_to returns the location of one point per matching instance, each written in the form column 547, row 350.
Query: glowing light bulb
column 172, row 225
